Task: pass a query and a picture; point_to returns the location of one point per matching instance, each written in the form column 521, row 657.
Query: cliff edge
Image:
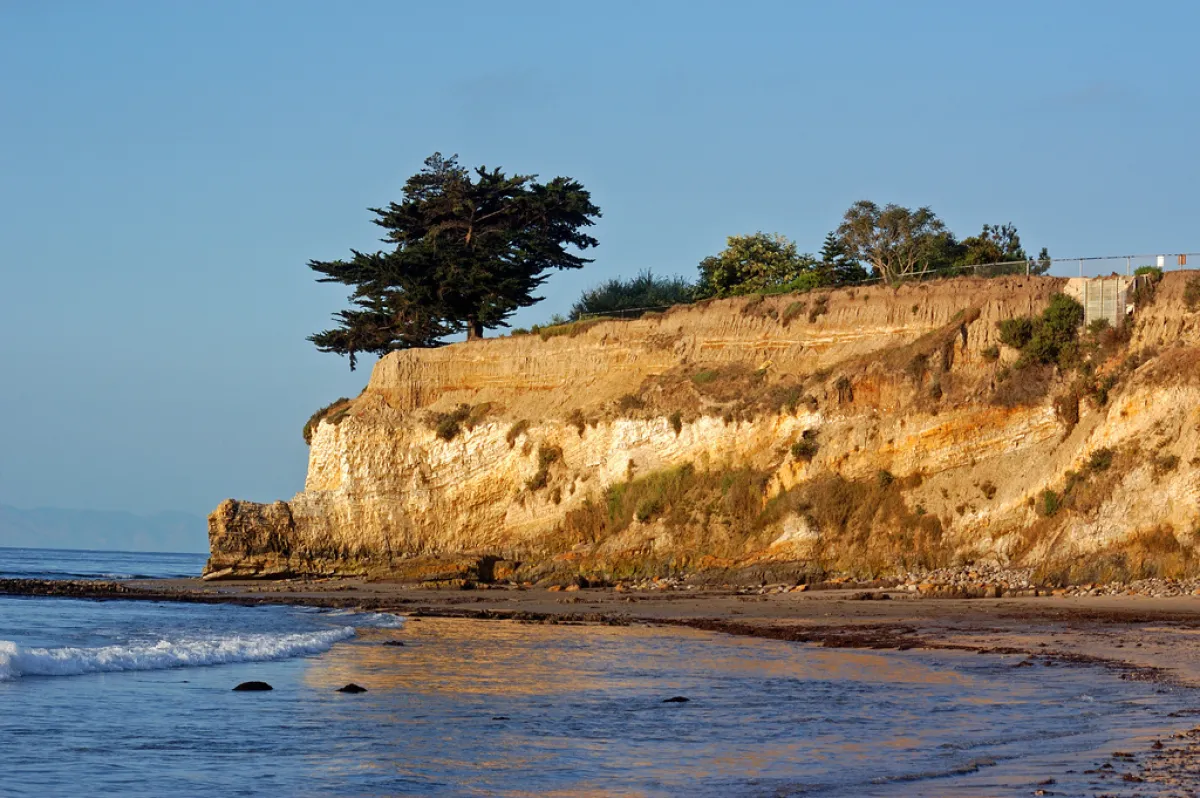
column 862, row 431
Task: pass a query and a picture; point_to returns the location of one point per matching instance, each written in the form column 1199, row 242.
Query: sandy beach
column 1148, row 637
column 1140, row 638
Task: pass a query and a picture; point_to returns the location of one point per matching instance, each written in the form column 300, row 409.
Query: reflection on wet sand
column 515, row 658
column 508, row 708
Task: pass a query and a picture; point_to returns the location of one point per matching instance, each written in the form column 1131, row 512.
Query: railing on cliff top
column 1099, row 266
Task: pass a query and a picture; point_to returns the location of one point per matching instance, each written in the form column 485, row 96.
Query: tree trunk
column 474, row 330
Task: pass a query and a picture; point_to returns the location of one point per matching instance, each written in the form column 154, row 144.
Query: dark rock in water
column 500, row 717
column 393, row 642
column 253, row 686
column 676, row 700
column 352, row 688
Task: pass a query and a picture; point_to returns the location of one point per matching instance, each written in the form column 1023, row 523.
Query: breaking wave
column 373, row 620
column 17, row 661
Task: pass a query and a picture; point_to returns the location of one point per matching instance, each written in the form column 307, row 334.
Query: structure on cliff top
column 1106, row 298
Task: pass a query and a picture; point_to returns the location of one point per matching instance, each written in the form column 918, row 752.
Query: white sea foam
column 17, row 661
column 374, row 620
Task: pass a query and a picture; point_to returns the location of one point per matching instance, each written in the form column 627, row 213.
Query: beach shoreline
column 1152, row 637
column 1139, row 638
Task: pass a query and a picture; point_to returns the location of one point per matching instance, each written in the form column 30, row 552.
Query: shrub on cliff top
column 333, row 412
column 630, row 298
column 1191, row 293
column 1050, row 338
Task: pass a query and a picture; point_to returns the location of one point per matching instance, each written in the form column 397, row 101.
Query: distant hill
column 50, row 528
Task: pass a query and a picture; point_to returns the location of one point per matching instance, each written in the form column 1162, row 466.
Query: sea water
column 135, row 698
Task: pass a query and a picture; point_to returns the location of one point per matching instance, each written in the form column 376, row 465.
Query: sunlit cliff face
column 502, row 450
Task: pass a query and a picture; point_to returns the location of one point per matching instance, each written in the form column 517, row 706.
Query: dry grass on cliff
column 734, row 392
column 447, row 426
column 722, row 517
column 569, row 329
column 867, row 526
column 1155, row 553
column 333, row 412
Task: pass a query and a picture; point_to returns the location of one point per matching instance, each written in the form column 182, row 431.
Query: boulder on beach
column 253, row 687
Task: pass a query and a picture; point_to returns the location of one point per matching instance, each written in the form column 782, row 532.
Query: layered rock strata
column 486, row 459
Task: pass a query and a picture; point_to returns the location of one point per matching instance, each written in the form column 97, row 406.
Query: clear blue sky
column 167, row 169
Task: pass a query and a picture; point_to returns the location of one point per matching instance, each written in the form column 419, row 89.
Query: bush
column 1057, row 328
column 1101, row 460
column 988, row 489
column 629, row 297
column 518, row 429
column 991, row 354
column 630, row 402
column 705, row 377
column 1050, row 338
column 676, row 421
column 754, row 264
column 1048, row 503
column 1191, row 293
column 577, row 420
column 757, row 308
column 1153, row 272
column 447, row 426
column 845, row 389
column 804, row 450
column 547, row 456
column 649, row 496
column 793, row 310
column 1016, row 332
column 1066, row 406
column 819, row 308
column 333, row 412
column 1165, row 463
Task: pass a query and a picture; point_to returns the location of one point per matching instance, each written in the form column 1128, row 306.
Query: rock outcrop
column 850, row 430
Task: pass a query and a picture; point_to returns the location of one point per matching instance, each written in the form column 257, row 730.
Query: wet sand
column 1149, row 638
column 1142, row 638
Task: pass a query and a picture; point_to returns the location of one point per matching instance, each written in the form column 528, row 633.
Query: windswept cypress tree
column 469, row 250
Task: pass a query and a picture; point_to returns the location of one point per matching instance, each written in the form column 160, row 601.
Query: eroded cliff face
column 859, row 430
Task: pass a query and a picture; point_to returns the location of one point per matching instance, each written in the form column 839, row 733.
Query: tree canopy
column 893, row 239
column 901, row 242
column 836, row 265
column 750, row 264
column 468, row 249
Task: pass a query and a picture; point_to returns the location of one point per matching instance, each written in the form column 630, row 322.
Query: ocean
column 135, row 698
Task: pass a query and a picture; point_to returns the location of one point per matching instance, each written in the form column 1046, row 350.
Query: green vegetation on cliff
column 468, row 250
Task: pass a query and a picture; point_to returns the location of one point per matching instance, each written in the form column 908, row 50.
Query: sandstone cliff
column 862, row 430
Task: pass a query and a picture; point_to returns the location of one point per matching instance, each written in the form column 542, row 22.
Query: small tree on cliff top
column 894, row 240
column 752, row 264
column 470, row 248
